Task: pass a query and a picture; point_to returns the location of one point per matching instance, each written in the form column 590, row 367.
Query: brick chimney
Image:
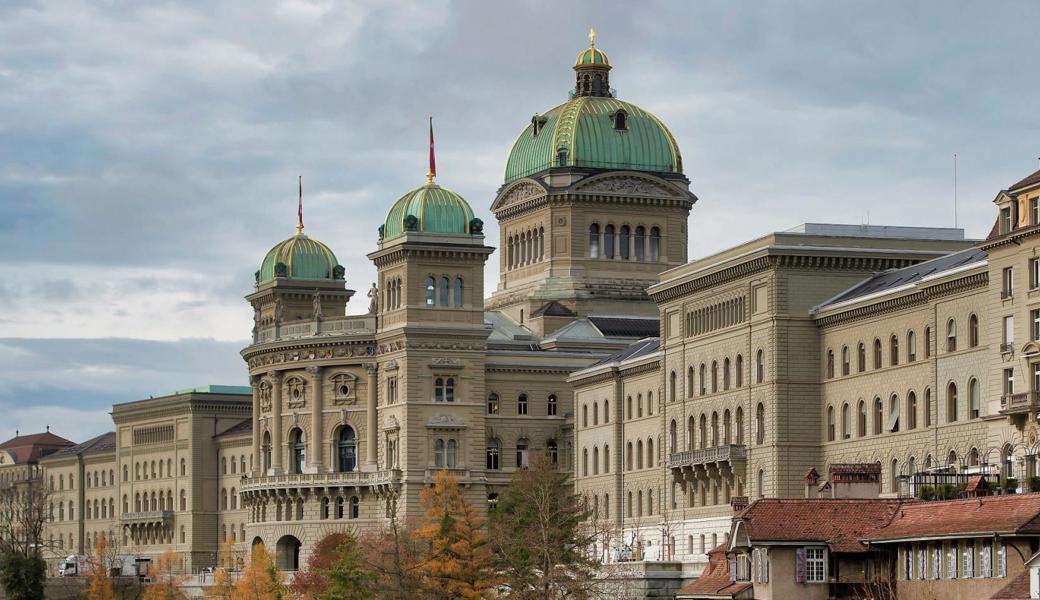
column 812, row 478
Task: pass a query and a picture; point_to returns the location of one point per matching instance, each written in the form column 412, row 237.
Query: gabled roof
column 1027, row 181
column 32, row 447
column 1014, row 514
column 895, row 279
column 714, row 581
column 840, row 524
column 102, row 443
column 553, row 308
column 241, row 428
column 1016, row 589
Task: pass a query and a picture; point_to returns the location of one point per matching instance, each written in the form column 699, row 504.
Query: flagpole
column 299, row 211
column 433, row 159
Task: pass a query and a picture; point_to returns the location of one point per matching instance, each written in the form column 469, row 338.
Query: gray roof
column 639, row 327
column 241, row 428
column 894, row 278
column 102, row 443
column 635, row 350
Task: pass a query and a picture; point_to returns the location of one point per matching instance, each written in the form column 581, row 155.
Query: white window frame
column 815, row 564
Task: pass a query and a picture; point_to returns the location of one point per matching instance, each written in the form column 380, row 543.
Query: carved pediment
column 445, row 362
column 626, row 185
column 518, row 193
column 391, row 423
column 445, row 422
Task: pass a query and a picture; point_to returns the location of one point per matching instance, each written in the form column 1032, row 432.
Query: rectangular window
column 1005, row 220
column 815, row 565
column 1009, row 330
column 1009, row 381
column 1034, row 317
column 1034, row 211
column 1036, row 377
column 1034, row 273
column 1007, row 287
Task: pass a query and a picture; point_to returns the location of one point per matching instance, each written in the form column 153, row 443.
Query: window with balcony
column 347, row 446
column 1009, row 381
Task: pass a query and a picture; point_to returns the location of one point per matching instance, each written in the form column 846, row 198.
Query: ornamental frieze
column 625, row 185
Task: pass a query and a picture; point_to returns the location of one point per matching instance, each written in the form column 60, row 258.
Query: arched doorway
column 288, row 553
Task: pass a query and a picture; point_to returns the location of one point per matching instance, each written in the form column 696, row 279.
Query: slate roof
column 553, row 308
column 32, row 447
column 243, row 427
column 714, row 581
column 640, row 348
column 894, row 278
column 1016, row 589
column 1030, row 180
column 102, row 443
column 637, row 327
column 841, row 524
column 1014, row 514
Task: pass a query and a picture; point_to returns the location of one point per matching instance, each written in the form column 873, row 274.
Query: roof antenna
column 954, row 190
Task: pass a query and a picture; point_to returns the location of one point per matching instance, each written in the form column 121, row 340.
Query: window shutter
column 799, row 565
column 764, row 562
column 732, row 569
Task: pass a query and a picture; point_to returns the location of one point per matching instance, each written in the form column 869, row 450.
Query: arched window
column 266, row 450
column 655, row 244
column 608, row 241
column 830, row 423
column 585, row 462
column 760, row 367
column 927, row 342
column 739, row 370
column 521, row 454
column 951, row 335
column 299, row 450
column 452, row 454
column 878, row 416
column 456, row 292
column 760, row 423
column 845, row 429
column 928, row 407
column 430, row 291
column 628, row 403
column 347, row 447
column 727, row 428
column 703, row 431
column 620, row 120
column 554, row 453
column 740, row 426
column 877, row 353
column 595, row 413
column 628, row 456
column 689, row 382
column 911, row 346
column 861, row 357
column 671, row 386
column 911, row 411
column 595, row 460
column 624, row 241
column 714, row 376
column 951, row 402
column 893, row 358
column 893, row 413
column 704, row 379
column 355, row 507
column 492, row 455
column 725, row 373
column 438, row 453
column 714, row 429
column 650, row 452
column 594, row 240
column 639, row 454
column 973, row 331
column 672, row 434
column 184, row 500
column 974, row 403
column 861, row 419
column 844, row 360
column 551, row 407
column 640, row 243
column 585, row 413
column 223, row 499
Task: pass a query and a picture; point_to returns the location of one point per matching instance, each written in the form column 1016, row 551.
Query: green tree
column 348, row 577
column 543, row 535
column 22, row 576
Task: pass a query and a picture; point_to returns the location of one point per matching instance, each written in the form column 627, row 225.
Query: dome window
column 621, row 121
column 561, row 157
column 537, row 122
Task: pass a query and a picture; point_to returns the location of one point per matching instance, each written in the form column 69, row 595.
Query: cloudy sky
column 149, row 151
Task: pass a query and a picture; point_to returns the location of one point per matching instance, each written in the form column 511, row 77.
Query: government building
column 670, row 389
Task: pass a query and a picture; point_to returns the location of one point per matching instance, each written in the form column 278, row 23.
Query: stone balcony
column 149, row 517
column 306, row 481
column 328, row 326
column 1018, row 407
column 699, row 463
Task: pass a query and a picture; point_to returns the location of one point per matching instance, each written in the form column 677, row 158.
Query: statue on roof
column 373, row 298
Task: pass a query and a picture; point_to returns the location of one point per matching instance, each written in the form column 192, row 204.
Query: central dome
column 596, row 132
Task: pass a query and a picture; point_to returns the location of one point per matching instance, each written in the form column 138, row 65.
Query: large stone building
column 666, row 387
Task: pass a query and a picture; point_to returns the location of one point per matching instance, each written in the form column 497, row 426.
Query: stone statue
column 373, row 298
column 316, row 303
column 278, row 310
column 256, row 323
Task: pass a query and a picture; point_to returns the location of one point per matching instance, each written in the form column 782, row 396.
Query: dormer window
column 621, row 121
column 537, row 122
column 561, row 157
column 1005, row 219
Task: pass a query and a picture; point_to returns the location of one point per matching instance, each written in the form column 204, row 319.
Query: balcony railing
column 304, row 480
column 1007, row 348
column 702, row 456
column 1018, row 403
column 151, row 516
column 346, row 325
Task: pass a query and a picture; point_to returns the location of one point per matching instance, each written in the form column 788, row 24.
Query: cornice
column 1015, row 236
column 755, row 265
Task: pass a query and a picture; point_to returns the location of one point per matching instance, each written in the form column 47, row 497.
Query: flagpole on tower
column 433, row 160
column 299, row 212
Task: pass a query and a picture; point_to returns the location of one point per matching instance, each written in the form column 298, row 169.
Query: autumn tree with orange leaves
column 165, row 581
column 99, row 583
column 459, row 562
column 261, row 579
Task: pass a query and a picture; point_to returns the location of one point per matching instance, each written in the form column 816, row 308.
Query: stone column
column 317, row 436
column 255, row 382
column 276, row 422
column 373, row 421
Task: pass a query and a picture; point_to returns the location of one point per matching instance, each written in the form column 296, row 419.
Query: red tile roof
column 838, row 523
column 30, row 448
column 1016, row 589
column 714, row 581
column 1018, row 513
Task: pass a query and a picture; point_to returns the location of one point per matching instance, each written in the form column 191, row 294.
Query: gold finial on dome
column 592, row 37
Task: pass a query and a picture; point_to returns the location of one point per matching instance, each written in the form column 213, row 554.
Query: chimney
column 812, row 478
column 738, row 503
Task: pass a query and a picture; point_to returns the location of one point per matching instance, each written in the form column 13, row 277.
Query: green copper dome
column 588, row 131
column 299, row 257
column 592, row 57
column 429, row 209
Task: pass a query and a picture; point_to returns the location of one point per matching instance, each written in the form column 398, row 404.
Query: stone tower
column 594, row 204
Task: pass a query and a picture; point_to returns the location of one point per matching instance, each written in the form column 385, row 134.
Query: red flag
column 300, row 210
column 433, row 160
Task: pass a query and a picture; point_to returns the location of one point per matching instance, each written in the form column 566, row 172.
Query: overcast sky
column 149, row 151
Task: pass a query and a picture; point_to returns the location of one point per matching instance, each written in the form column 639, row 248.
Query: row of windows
column 705, row 380
column 443, row 291
column 953, row 560
column 699, row 435
column 893, row 348
column 229, row 536
column 146, row 470
column 493, row 454
column 225, row 497
column 552, row 407
column 292, row 509
column 621, row 243
column 1007, row 287
column 525, row 248
column 712, row 492
column 717, row 316
column 876, row 408
column 346, row 450
column 234, row 466
column 392, row 293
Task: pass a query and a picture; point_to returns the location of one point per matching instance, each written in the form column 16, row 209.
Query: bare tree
column 24, row 513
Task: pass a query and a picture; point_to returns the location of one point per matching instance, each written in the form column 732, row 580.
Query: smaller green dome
column 430, row 209
column 299, row 257
column 592, row 57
